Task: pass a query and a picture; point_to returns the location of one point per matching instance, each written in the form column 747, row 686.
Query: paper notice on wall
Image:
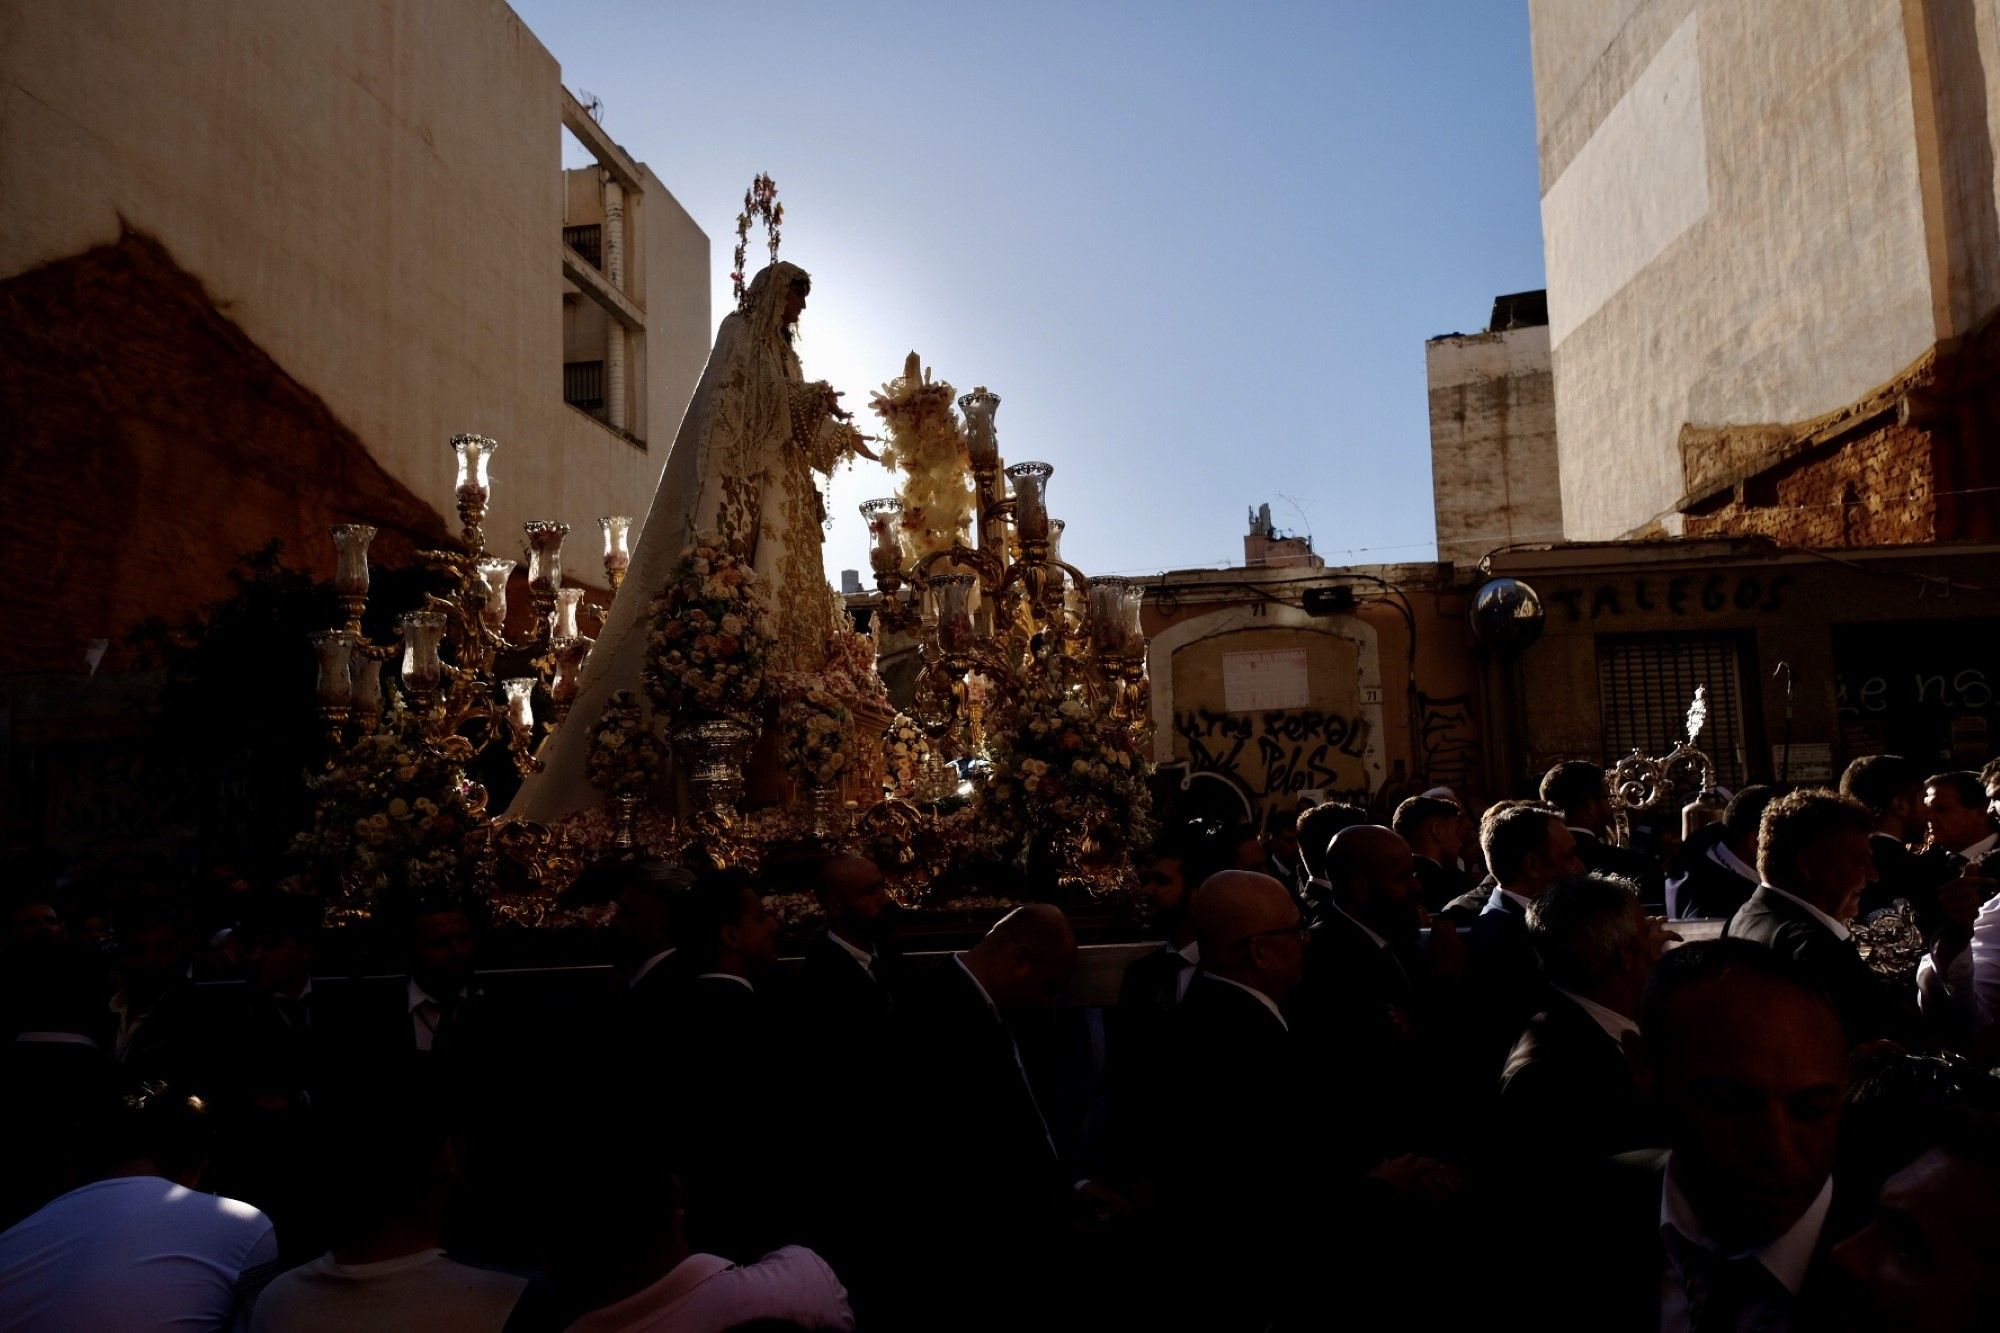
column 1802, row 763
column 1261, row 682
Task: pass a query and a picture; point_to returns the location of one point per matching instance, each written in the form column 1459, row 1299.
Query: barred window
column 1645, row 683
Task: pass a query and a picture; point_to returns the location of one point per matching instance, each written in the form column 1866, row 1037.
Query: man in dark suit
column 1961, row 825
column 1567, row 1095
column 729, row 1054
column 1235, row 1197
column 848, row 978
column 1720, row 861
column 1815, row 860
column 1733, row 1225
column 1528, row 848
column 990, row 1195
column 653, row 971
column 1317, row 828
column 1892, row 788
column 167, row 1029
column 1583, row 795
column 1372, row 1004
column 1431, row 827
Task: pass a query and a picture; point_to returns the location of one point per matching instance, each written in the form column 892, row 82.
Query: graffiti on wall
column 1683, row 595
column 1448, row 742
column 1273, row 755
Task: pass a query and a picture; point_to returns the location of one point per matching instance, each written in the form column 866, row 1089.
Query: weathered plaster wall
column 1494, row 476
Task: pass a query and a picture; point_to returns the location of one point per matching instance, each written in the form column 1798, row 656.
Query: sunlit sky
column 1196, row 248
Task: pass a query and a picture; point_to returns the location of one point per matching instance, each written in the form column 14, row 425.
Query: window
column 1645, row 683
column 588, row 241
column 583, row 386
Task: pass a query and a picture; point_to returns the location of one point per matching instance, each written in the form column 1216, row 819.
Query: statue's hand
column 833, row 407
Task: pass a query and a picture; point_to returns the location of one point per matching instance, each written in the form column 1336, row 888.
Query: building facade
column 260, row 268
column 1773, row 261
column 1494, row 477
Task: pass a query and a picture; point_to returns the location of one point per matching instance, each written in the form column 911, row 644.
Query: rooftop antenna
column 593, row 105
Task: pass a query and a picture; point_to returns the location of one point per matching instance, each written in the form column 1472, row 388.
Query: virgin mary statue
column 741, row 470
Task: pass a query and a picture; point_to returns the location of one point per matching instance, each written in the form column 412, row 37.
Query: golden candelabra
column 1009, row 608
column 452, row 647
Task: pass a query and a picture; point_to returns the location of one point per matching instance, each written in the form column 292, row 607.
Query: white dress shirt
column 1498, row 896
column 1616, row 1026
column 1736, row 865
column 1786, row 1258
column 1015, row 1046
column 1980, row 848
column 426, row 1012
column 1984, row 964
column 862, row 956
column 1261, row 998
column 744, row 982
column 647, row 966
column 1836, row 927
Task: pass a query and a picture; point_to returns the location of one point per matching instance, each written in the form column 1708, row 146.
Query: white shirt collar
column 959, row 958
column 1185, row 975
column 1262, row 998
column 1836, row 927
column 1730, row 861
column 744, row 982
column 647, row 966
column 1493, row 900
column 56, row 1039
column 418, row 995
column 1362, row 926
column 1615, row 1024
column 1980, row 848
column 862, row 956
column 1190, row 951
column 1786, row 1258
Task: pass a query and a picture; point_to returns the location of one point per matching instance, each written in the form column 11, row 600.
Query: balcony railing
column 583, row 386
column 588, row 241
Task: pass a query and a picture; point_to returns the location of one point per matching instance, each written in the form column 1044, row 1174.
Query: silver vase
column 711, row 754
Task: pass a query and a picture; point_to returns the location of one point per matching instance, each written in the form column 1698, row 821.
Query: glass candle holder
column 885, row 553
column 519, row 694
column 982, row 441
column 617, row 544
column 545, row 539
column 562, row 620
column 493, row 574
column 350, row 548
column 1031, row 501
column 367, row 676
column 1107, row 613
column 1130, row 605
column 333, row 649
column 954, row 612
column 475, row 486
column 423, row 635
column 569, row 655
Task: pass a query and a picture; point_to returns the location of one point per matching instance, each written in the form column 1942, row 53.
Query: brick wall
column 147, row 443
column 1873, row 490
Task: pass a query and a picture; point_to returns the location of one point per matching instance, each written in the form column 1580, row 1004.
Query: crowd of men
column 1428, row 1073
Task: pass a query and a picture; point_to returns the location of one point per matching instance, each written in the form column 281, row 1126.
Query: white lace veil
column 735, row 426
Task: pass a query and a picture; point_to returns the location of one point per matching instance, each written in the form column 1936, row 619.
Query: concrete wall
column 1736, row 219
column 1494, row 476
column 373, row 192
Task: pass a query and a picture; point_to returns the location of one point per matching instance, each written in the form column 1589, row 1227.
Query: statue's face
column 795, row 302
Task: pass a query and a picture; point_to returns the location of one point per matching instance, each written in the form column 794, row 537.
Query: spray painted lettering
column 1277, row 753
column 1447, row 741
column 1687, row 594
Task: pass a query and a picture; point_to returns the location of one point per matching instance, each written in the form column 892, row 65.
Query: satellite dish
column 1507, row 616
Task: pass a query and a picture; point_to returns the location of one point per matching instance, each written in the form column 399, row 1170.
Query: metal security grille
column 1645, row 684
column 588, row 241
column 583, row 385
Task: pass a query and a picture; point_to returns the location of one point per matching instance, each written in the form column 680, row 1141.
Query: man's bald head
column 852, row 893
column 1249, row 931
column 1374, row 878
column 1026, row 960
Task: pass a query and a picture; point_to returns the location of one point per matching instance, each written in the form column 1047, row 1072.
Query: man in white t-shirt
column 387, row 1271
column 140, row 1247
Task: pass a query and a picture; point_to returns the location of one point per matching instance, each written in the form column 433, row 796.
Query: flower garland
column 926, row 441
column 709, row 636
column 391, row 819
column 624, row 755
column 759, row 201
column 1064, row 775
column 904, row 749
column 814, row 730
column 849, row 668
